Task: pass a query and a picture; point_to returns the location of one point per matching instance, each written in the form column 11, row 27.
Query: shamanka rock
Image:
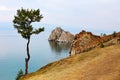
column 59, row 35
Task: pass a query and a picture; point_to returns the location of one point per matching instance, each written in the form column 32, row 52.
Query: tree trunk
column 28, row 57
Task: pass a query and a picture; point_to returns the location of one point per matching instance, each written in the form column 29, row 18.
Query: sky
column 86, row 14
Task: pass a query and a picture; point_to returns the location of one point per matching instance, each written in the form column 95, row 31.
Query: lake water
column 13, row 52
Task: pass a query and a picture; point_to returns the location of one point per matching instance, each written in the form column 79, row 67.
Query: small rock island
column 59, row 35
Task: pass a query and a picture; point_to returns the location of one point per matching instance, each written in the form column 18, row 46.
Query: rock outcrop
column 84, row 41
column 59, row 35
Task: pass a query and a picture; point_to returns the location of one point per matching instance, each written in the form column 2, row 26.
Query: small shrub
column 20, row 74
column 114, row 34
column 102, row 45
column 104, row 34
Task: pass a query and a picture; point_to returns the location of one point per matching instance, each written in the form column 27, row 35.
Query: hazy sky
column 99, row 14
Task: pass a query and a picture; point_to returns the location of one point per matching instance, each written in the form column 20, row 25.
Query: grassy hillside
column 97, row 64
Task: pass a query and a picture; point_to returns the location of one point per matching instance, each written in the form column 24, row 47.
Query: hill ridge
column 85, row 41
column 97, row 64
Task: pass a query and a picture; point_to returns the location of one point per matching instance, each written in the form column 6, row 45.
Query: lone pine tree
column 22, row 22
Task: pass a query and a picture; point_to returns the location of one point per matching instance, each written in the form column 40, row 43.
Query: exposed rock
column 84, row 41
column 60, row 35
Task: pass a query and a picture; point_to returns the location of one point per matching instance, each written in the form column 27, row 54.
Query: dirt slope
column 97, row 64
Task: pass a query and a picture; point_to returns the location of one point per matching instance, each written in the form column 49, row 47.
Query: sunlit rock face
column 84, row 41
column 59, row 35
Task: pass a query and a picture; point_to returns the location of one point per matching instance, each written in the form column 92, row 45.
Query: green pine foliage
column 23, row 19
column 20, row 74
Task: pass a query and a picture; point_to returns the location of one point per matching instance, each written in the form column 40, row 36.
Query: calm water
column 13, row 53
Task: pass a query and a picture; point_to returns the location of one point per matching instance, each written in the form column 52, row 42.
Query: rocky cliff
column 59, row 35
column 85, row 41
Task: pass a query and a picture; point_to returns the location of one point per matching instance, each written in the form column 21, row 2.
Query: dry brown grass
column 97, row 64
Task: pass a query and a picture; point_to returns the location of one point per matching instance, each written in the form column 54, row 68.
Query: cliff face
column 60, row 35
column 84, row 41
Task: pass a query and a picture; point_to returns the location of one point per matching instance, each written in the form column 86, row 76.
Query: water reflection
column 58, row 47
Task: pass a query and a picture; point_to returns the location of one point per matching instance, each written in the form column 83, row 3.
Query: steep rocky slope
column 97, row 64
column 85, row 41
column 60, row 35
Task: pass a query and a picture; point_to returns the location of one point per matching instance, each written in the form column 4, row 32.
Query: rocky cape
column 85, row 41
column 59, row 35
column 97, row 64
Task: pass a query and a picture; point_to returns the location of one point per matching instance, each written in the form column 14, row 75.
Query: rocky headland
column 96, row 61
column 59, row 35
column 85, row 41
